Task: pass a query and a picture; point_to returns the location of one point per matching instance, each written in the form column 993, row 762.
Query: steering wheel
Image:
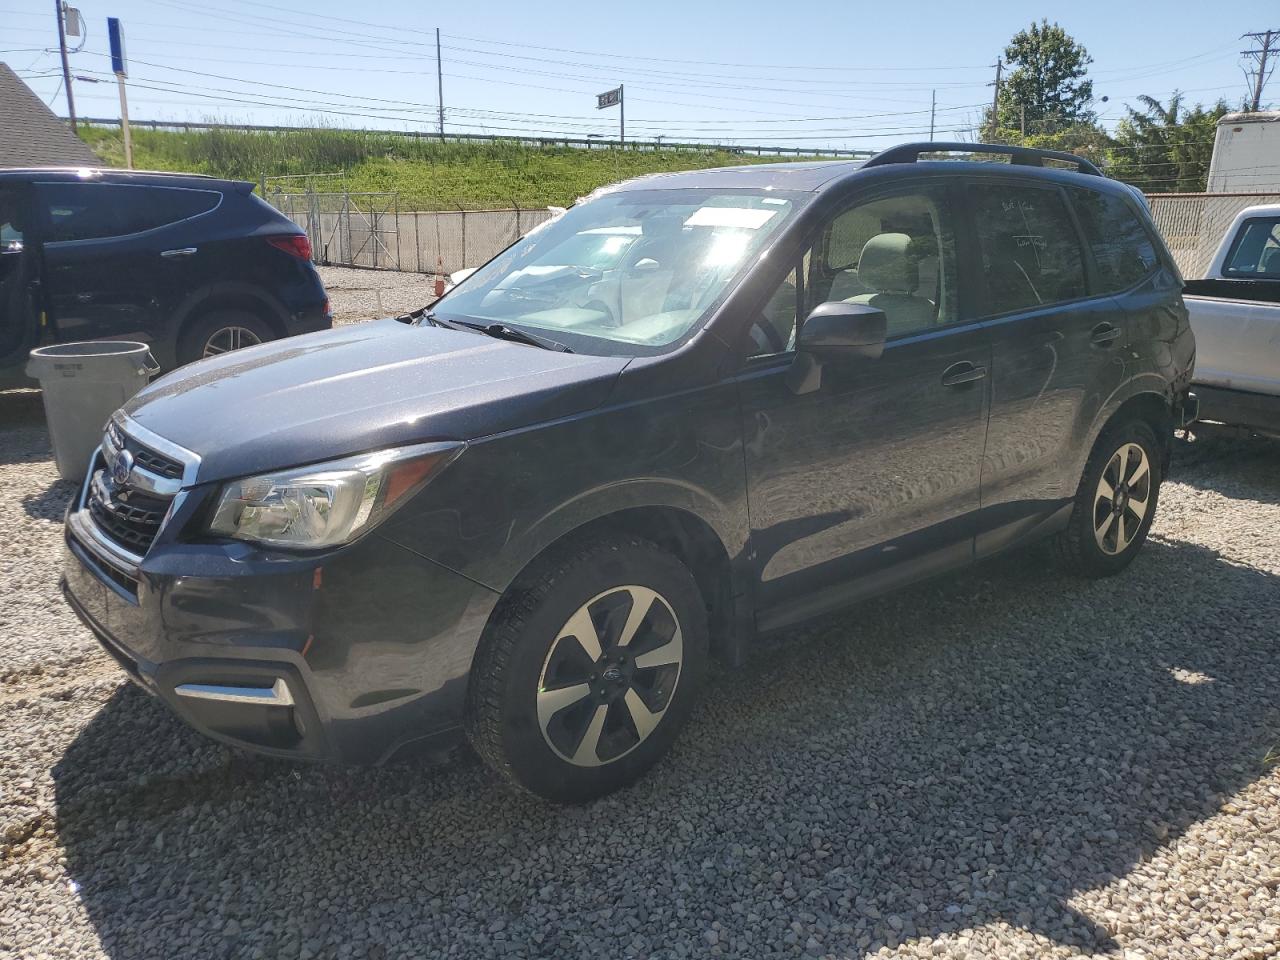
column 770, row 334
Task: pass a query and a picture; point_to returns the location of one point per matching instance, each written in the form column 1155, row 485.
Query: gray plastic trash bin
column 83, row 384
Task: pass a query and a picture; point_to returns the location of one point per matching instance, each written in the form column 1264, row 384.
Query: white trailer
column 1246, row 154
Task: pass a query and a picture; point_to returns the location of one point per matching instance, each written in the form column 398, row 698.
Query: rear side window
column 1122, row 248
column 94, row 211
column 1256, row 252
column 12, row 226
column 1030, row 250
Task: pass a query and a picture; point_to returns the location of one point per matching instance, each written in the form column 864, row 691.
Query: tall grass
column 427, row 174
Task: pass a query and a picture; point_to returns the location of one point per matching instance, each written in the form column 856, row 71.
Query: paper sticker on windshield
column 744, row 218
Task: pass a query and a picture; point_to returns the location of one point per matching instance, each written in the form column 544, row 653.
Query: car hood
column 362, row 387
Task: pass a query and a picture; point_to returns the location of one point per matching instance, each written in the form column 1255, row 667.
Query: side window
column 774, row 331
column 1256, row 252
column 896, row 253
column 1122, row 248
column 78, row 211
column 12, row 227
column 94, row 211
column 1030, row 250
column 145, row 208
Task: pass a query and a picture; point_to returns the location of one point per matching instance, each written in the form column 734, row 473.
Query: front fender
column 509, row 497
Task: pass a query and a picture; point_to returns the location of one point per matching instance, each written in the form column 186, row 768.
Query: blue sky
column 826, row 73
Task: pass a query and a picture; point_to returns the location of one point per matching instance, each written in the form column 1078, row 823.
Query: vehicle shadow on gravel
column 1247, row 469
column 972, row 751
column 51, row 502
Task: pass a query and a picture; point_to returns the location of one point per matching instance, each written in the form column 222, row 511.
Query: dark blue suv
column 695, row 408
column 191, row 265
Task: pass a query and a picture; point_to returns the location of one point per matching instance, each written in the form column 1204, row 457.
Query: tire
column 206, row 330
column 1104, row 533
column 564, row 725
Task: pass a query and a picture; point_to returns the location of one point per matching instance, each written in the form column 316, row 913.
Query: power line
column 677, row 88
column 400, row 103
column 401, row 29
column 418, row 116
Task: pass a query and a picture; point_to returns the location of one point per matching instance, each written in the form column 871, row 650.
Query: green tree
column 1166, row 147
column 1086, row 140
column 1046, row 88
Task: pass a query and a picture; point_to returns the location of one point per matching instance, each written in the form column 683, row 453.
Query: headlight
column 326, row 504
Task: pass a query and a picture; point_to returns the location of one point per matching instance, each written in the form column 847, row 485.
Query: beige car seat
column 889, row 268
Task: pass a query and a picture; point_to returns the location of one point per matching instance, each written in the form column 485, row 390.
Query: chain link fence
column 352, row 229
column 370, row 230
column 1193, row 224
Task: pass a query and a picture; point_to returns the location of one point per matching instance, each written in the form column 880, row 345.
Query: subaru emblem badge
column 122, row 467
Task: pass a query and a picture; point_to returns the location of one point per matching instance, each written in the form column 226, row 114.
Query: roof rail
column 1028, row 156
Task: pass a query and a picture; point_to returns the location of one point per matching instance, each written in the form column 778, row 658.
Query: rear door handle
column 178, row 252
column 1104, row 334
column 961, row 373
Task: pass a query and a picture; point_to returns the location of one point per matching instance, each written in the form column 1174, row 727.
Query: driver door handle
column 961, row 373
column 1104, row 334
column 178, row 252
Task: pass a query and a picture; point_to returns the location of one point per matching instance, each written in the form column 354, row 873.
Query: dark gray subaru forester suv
column 695, row 408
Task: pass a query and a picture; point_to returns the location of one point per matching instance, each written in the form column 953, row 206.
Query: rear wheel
column 589, row 670
column 221, row 332
column 1116, row 502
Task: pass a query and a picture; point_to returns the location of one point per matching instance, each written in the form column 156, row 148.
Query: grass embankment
column 427, row 174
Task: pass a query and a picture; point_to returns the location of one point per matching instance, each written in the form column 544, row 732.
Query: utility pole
column 933, row 109
column 440, row 83
column 995, row 99
column 1260, row 78
column 1022, row 119
column 622, row 118
column 66, row 65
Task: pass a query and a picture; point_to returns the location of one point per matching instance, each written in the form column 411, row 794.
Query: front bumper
column 347, row 656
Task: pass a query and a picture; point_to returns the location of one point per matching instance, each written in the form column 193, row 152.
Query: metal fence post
column 314, row 228
column 464, row 236
column 345, row 216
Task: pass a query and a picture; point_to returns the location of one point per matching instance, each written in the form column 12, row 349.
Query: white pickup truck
column 1235, row 313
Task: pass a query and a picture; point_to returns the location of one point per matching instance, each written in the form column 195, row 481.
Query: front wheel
column 1116, row 503
column 589, row 670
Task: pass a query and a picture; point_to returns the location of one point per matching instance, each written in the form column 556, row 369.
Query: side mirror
column 833, row 332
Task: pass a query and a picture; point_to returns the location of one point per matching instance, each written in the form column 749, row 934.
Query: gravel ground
column 361, row 294
column 1005, row 763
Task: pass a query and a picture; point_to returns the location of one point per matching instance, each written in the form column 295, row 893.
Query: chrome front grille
column 131, row 487
column 157, row 463
column 130, row 518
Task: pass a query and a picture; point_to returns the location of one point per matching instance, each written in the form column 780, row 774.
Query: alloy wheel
column 225, row 339
column 609, row 676
column 1122, row 499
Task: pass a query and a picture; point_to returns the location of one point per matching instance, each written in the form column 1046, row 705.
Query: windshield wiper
column 501, row 331
column 435, row 321
column 424, row 315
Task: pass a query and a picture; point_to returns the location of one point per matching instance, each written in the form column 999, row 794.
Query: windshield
column 626, row 273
